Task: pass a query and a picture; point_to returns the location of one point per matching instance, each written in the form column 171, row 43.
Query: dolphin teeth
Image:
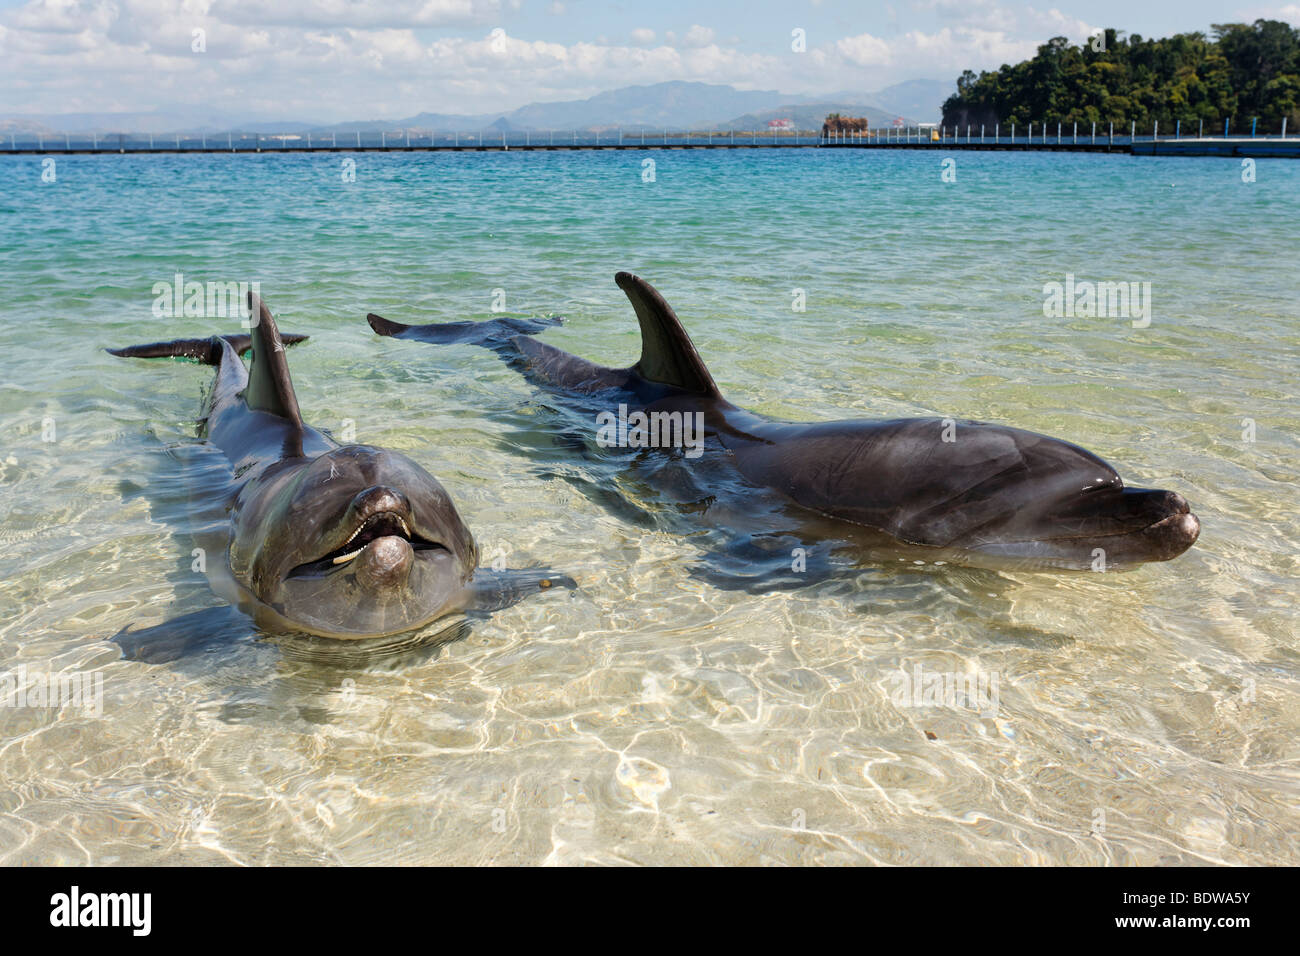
column 344, row 558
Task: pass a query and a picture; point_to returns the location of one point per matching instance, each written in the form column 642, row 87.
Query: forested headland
column 1239, row 72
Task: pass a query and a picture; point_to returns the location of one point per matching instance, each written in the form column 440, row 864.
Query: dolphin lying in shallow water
column 924, row 488
column 339, row 541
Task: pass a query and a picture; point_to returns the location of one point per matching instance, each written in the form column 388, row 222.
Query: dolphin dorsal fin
column 269, row 386
column 667, row 354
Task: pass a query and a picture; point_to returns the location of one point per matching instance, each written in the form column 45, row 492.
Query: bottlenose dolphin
column 339, row 541
column 924, row 489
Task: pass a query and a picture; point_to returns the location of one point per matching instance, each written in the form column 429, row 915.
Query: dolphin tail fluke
column 492, row 333
column 668, row 355
column 206, row 351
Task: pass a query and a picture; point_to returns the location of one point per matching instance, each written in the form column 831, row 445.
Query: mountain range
column 676, row 104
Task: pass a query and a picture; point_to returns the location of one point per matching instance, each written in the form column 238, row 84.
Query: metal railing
column 1048, row 134
column 1059, row 135
column 401, row 139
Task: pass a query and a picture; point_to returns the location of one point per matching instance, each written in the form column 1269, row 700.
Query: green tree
column 1244, row 71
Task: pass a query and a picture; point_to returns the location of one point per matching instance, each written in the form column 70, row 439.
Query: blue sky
column 348, row 59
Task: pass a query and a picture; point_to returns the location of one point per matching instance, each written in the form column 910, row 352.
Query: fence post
column 1111, row 135
column 1013, row 134
column 1226, row 120
column 358, row 139
column 1094, row 132
column 1132, row 132
column 1253, row 121
column 1284, row 127
column 1200, row 130
column 997, row 132
column 1155, row 130
column 1031, row 133
column 1058, row 134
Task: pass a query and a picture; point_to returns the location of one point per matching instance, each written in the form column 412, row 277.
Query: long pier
column 903, row 138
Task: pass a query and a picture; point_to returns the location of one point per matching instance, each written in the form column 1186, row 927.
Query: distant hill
column 24, row 127
column 677, row 104
column 155, row 121
column 922, row 99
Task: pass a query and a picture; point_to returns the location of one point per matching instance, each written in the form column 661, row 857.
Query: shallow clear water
column 1144, row 717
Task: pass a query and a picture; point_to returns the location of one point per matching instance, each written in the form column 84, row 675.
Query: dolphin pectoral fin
column 492, row 333
column 668, row 355
column 491, row 590
column 206, row 351
column 183, row 636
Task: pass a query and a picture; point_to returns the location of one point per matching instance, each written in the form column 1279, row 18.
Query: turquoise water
column 1144, row 717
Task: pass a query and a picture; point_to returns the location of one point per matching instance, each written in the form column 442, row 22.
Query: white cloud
column 361, row 59
column 864, row 50
column 1290, row 13
column 698, row 36
column 65, row 16
column 969, row 46
column 1056, row 23
column 357, row 14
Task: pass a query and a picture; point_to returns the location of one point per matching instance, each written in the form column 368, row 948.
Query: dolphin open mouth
column 384, row 524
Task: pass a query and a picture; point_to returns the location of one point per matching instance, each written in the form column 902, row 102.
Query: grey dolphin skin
column 925, row 489
column 338, row 541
